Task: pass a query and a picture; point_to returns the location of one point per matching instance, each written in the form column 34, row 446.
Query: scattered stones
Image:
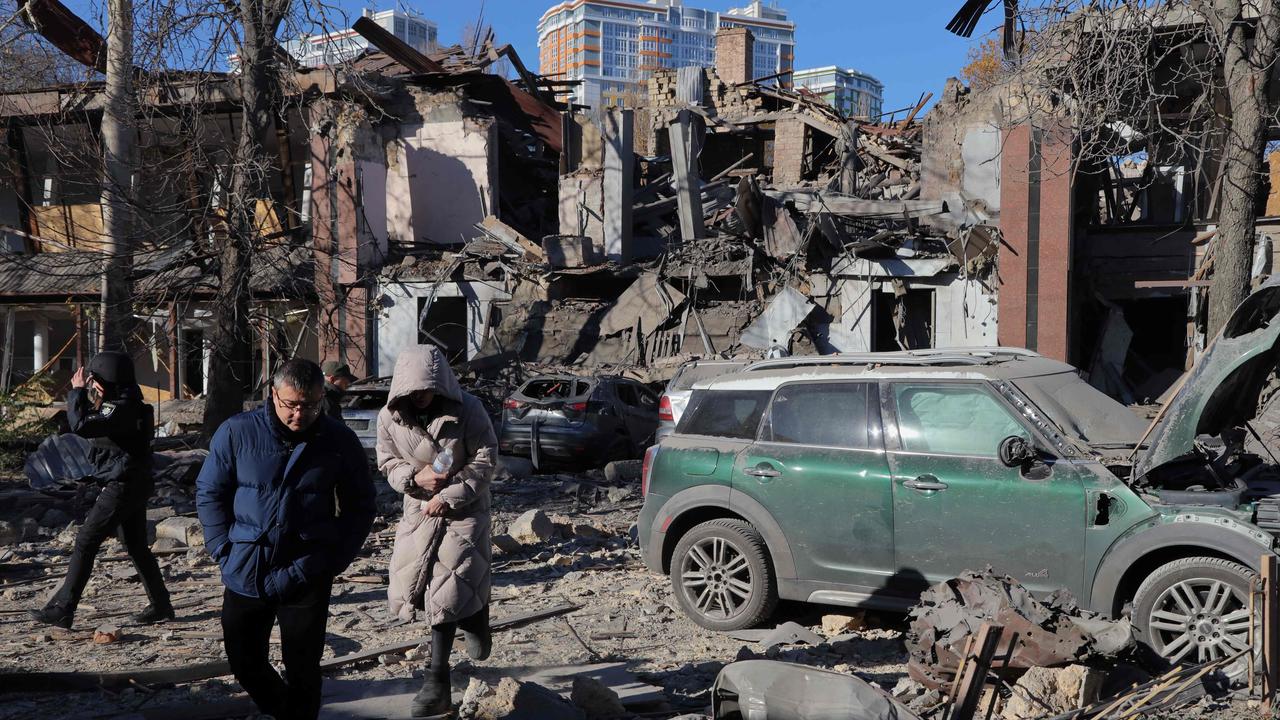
column 1062, row 688
column 105, row 634
column 595, row 699
column 182, row 529
column 618, row 494
column 587, row 531
column 532, row 527
column 10, row 533
column 55, row 518
column 513, row 700
column 506, row 543
column 559, row 560
column 841, row 624
column 166, row 544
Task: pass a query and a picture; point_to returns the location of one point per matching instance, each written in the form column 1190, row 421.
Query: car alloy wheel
column 1199, row 620
column 721, row 575
column 716, row 577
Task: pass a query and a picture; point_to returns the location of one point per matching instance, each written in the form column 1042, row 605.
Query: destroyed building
column 1107, row 230
column 428, row 201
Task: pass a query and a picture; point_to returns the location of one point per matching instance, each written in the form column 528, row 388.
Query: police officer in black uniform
column 105, row 407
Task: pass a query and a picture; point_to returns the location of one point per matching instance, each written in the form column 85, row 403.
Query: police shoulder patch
column 107, row 409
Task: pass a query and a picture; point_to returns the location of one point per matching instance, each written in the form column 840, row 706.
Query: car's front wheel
column 722, row 577
column 1195, row 610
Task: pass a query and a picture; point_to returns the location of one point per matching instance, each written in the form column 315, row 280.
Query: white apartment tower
column 331, row 48
column 613, row 45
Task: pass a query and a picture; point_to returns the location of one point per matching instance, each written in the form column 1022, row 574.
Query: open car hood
column 1223, row 388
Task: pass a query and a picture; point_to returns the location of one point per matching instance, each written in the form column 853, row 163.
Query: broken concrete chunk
column 105, row 634
column 506, row 543
column 514, row 700
column 532, row 527
column 595, row 699
column 618, row 494
column 182, row 529
column 587, row 531
column 840, row 624
column 1063, row 689
column 9, row 533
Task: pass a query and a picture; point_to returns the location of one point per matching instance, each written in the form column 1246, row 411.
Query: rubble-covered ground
column 627, row 628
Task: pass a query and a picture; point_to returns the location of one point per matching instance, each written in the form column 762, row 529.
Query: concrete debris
column 833, row 625
column 515, row 700
column 531, row 528
column 105, row 634
column 184, row 530
column 596, row 699
column 773, row 328
column 1047, row 633
column 1044, row 691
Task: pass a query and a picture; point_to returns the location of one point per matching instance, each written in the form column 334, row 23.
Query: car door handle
column 762, row 472
column 925, row 483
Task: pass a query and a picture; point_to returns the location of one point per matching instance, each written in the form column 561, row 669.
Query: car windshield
column 1081, row 410
column 693, row 374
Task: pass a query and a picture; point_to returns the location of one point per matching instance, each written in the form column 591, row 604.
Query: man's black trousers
column 122, row 507
column 246, row 631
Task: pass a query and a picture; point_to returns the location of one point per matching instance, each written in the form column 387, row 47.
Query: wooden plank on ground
column 502, row 624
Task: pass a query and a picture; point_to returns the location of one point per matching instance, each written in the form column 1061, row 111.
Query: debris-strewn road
column 625, row 631
column 662, row 664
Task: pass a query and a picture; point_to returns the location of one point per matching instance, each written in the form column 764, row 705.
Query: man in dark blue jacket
column 105, row 407
column 286, row 502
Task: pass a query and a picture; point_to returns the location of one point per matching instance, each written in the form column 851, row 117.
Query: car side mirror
column 1016, row 451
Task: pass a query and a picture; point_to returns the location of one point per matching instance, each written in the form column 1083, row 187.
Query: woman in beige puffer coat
column 440, row 562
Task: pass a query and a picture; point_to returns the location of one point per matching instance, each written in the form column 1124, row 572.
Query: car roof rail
column 926, row 357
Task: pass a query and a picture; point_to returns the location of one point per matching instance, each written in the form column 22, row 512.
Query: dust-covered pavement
column 626, row 629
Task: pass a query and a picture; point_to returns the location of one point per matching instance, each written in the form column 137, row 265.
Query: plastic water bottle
column 444, row 461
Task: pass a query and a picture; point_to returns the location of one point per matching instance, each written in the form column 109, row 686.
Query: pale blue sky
column 904, row 44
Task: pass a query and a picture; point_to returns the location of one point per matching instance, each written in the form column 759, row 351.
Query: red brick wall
column 1012, row 267
column 788, row 152
column 734, row 57
column 1049, row 299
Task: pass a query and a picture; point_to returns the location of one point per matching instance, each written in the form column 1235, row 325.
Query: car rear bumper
column 557, row 442
column 651, row 534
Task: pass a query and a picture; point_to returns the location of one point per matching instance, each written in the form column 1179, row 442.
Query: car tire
column 722, row 577
column 1195, row 610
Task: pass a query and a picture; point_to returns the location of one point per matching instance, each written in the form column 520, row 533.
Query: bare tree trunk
column 1247, row 67
column 231, row 364
column 119, row 126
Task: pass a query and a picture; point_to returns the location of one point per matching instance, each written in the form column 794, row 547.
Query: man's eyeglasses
column 306, row 407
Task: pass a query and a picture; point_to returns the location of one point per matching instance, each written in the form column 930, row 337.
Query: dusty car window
column 730, row 414
column 827, row 414
column 952, row 420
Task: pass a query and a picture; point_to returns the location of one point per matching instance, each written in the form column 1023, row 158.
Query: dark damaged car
column 579, row 421
column 862, row 480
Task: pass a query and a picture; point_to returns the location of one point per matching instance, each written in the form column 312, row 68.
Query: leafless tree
column 1174, row 82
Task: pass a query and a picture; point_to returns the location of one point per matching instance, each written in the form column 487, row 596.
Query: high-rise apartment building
column 613, row 45
column 856, row 94
column 331, row 48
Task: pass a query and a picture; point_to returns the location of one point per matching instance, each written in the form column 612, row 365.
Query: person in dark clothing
column 105, row 407
column 286, row 501
column 337, row 378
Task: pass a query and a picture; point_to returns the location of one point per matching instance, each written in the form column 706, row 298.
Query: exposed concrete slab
column 643, row 301
column 619, row 183
column 788, row 309
column 452, row 177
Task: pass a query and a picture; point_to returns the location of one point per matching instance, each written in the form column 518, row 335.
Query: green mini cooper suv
column 860, row 480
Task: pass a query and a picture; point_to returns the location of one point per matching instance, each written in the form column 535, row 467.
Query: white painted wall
column 449, row 177
column 964, row 311
column 398, row 320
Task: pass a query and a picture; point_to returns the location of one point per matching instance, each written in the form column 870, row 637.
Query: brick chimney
column 734, row 61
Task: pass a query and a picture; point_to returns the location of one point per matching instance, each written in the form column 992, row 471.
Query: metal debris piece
column 790, row 633
column 60, row 460
column 784, row 691
column 1044, row 634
